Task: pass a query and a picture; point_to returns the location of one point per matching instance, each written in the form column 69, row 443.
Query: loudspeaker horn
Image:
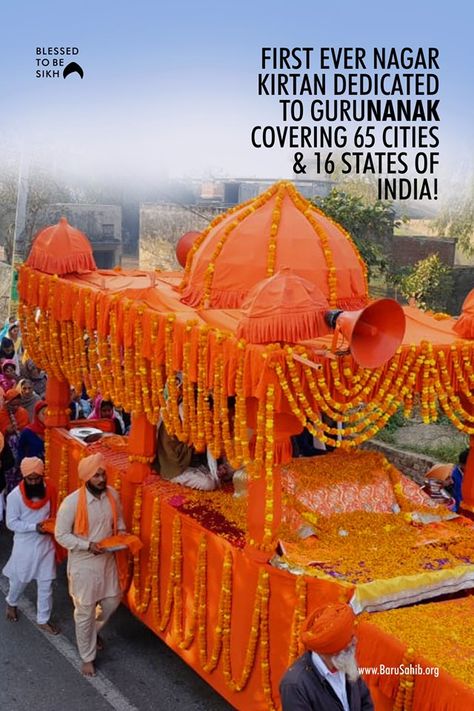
column 373, row 333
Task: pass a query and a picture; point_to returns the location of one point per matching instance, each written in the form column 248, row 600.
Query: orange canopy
column 283, row 307
column 278, row 229
column 61, row 249
column 464, row 327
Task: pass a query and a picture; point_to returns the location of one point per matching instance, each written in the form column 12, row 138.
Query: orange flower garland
column 299, row 616
column 361, row 400
column 272, row 242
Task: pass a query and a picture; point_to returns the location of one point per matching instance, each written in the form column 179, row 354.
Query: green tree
column 430, row 283
column 457, row 220
column 370, row 224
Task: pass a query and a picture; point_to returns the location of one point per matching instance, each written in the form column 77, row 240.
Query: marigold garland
column 275, row 223
column 63, row 479
column 362, row 400
column 146, row 591
column 267, row 541
column 299, row 616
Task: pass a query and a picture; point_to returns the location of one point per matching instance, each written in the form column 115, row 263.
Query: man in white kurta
column 92, row 572
column 33, row 554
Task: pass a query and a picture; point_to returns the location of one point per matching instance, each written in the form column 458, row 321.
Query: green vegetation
column 457, row 220
column 443, row 451
column 370, row 224
column 430, row 283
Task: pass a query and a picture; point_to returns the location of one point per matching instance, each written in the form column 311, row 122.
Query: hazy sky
column 170, row 88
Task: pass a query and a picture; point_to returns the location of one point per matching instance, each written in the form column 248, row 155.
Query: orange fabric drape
column 81, row 522
column 21, row 417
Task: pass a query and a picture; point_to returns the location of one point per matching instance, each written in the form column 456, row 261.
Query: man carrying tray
column 87, row 516
column 29, row 505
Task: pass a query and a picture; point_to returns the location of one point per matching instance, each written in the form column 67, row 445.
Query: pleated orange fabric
column 464, row 326
column 284, row 307
column 61, row 249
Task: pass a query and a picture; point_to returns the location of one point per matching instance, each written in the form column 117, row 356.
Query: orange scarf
column 50, row 495
column 81, row 522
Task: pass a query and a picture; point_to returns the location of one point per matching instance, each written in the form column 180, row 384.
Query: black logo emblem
column 71, row 68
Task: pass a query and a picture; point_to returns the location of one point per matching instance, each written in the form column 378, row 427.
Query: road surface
column 137, row 671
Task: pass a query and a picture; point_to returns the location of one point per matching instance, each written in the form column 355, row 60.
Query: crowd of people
column 22, row 428
column 23, row 409
column 17, row 406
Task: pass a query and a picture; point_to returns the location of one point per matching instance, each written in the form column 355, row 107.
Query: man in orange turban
column 85, row 517
column 33, row 556
column 325, row 677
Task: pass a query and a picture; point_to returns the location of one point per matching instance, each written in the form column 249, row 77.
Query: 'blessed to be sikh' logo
column 55, row 63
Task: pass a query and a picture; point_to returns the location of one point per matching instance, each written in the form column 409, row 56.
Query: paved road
column 137, row 671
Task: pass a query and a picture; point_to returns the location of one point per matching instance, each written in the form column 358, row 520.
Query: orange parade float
column 272, row 295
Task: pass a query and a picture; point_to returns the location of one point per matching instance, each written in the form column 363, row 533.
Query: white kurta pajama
column 93, row 579
column 33, row 554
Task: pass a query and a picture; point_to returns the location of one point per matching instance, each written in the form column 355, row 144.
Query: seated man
column 325, row 677
column 181, row 463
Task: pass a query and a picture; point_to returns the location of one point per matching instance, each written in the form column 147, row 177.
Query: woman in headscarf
column 9, row 322
column 13, row 419
column 37, row 377
column 31, row 442
column 105, row 409
column 28, row 397
column 15, row 336
column 8, row 377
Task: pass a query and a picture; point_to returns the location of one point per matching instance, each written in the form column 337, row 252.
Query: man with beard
column 326, row 677
column 33, row 554
column 85, row 517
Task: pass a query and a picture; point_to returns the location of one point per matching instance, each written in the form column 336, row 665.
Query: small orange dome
column 283, row 307
column 464, row 326
column 185, row 243
column 256, row 239
column 61, row 249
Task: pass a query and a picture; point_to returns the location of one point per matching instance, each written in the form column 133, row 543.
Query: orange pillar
column 58, row 397
column 260, row 518
column 141, row 448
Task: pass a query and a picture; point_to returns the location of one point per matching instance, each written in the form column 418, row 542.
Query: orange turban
column 329, row 629
column 89, row 466
column 32, row 465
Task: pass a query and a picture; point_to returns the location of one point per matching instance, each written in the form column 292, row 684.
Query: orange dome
column 256, row 239
column 185, row 243
column 283, row 307
column 61, row 249
column 464, row 326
